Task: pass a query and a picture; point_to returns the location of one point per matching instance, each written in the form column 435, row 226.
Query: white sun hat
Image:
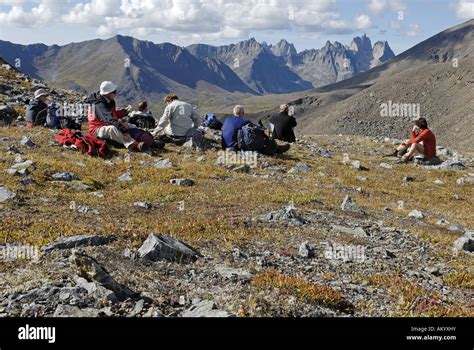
column 107, row 87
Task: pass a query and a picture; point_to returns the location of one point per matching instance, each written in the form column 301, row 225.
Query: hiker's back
column 180, row 117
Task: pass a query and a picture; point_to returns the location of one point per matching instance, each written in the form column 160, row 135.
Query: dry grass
column 302, row 290
column 217, row 208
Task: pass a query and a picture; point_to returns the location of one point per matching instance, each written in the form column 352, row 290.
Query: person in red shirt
column 422, row 141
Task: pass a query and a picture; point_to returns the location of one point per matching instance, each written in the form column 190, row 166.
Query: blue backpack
column 211, row 121
column 251, row 137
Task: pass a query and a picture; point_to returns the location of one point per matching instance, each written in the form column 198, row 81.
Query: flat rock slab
column 205, row 308
column 159, row 247
column 182, row 182
column 78, row 241
column 287, row 215
column 356, row 232
column 67, row 177
column 6, row 194
column 89, row 269
column 300, row 168
column 233, row 273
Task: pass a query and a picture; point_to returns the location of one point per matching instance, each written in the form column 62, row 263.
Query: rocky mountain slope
column 146, row 70
column 331, row 229
column 436, row 75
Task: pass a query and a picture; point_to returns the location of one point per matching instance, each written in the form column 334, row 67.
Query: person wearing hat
column 105, row 121
column 282, row 125
column 37, row 110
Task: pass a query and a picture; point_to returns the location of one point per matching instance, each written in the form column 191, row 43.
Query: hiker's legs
column 113, row 133
column 414, row 149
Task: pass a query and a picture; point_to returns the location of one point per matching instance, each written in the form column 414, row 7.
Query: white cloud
column 411, row 30
column 379, row 6
column 362, row 22
column 465, row 9
column 39, row 15
column 192, row 19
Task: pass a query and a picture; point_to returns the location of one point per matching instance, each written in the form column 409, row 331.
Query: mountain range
column 437, row 75
column 144, row 69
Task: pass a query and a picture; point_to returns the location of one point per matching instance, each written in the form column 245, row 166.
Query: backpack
column 7, row 115
column 251, row 137
column 143, row 120
column 69, row 123
column 211, row 122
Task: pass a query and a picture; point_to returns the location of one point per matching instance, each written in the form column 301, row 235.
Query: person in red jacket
column 422, row 141
column 105, row 121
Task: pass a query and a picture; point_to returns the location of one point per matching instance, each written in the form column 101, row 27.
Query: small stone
column 163, row 164
column 84, row 209
column 456, row 228
column 66, row 177
column 28, row 181
column 300, row 168
column 242, row 169
column 356, row 165
column 438, row 182
column 408, row 179
column 361, row 178
column 125, row 177
column 386, row 166
column 305, row 250
column 464, row 243
column 143, row 205
column 205, row 308
column 349, row 204
column 6, row 194
column 233, row 274
column 416, row 214
column 442, row 222
column 23, row 165
column 465, row 181
column 182, row 182
column 26, row 141
column 356, row 232
column 97, row 194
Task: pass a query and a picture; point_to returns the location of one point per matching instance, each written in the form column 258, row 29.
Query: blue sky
column 305, row 23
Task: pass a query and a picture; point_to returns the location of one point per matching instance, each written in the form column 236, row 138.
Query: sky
column 305, row 23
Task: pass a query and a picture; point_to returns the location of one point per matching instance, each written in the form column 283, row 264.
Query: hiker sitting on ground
column 282, row 125
column 253, row 137
column 422, row 141
column 178, row 118
column 231, row 127
column 37, row 110
column 105, row 121
column 142, row 118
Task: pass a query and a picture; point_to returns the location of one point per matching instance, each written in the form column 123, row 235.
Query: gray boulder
column 89, row 269
column 286, row 214
column 348, row 204
column 6, row 194
column 159, row 247
column 182, row 182
column 205, row 308
column 78, row 241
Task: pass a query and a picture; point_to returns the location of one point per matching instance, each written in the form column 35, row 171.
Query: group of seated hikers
column 180, row 119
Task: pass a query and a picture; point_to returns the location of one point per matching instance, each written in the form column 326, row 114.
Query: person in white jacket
column 178, row 118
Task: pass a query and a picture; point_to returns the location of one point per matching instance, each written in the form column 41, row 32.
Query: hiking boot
column 282, row 149
column 137, row 147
